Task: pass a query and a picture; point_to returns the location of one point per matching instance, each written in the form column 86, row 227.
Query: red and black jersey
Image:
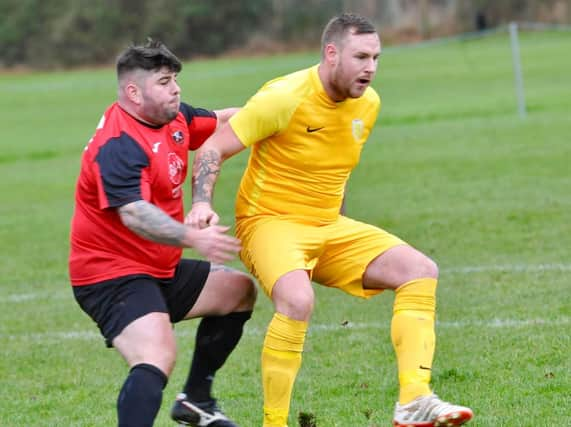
column 126, row 161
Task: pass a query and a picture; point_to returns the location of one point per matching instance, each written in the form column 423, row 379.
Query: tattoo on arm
column 152, row 223
column 205, row 171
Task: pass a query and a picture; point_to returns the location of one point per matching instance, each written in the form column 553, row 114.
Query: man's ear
column 133, row 93
column 331, row 54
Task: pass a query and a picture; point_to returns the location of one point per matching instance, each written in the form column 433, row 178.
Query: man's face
column 356, row 65
column 160, row 96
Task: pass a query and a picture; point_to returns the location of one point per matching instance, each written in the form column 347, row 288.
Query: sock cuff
column 416, row 295
column 239, row 316
column 154, row 370
column 298, row 325
column 285, row 334
column 234, row 318
column 427, row 283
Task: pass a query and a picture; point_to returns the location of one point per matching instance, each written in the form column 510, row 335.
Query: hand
column 213, row 243
column 201, row 216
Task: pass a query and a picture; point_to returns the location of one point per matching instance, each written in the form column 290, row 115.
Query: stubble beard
column 161, row 115
column 341, row 90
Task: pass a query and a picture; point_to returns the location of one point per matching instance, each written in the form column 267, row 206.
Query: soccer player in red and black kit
column 127, row 237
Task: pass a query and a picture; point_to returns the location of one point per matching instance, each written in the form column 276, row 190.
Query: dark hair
column 151, row 56
column 338, row 26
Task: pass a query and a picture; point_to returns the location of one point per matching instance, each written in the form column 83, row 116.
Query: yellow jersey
column 304, row 147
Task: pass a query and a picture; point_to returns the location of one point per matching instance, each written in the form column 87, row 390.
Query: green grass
column 450, row 167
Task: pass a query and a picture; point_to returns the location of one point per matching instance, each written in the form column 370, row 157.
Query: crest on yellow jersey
column 358, row 128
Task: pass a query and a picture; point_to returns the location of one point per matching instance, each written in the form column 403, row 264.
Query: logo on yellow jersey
column 358, row 129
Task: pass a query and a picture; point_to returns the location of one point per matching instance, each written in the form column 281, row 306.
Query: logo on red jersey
column 175, row 168
column 178, row 136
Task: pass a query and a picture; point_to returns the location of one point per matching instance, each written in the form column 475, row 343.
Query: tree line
column 70, row 33
column 67, row 33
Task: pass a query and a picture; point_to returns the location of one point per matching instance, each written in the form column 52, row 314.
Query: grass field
column 450, row 167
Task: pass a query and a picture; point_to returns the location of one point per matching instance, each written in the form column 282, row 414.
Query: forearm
column 205, row 171
column 152, row 223
column 208, row 159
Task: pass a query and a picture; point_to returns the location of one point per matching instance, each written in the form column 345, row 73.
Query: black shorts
column 113, row 304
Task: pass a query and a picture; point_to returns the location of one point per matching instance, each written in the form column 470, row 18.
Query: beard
column 339, row 86
column 161, row 114
column 343, row 86
column 171, row 114
column 346, row 85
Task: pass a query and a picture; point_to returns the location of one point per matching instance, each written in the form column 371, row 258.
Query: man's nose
column 371, row 66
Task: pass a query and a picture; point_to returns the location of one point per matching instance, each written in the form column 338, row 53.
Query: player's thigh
column 276, row 246
column 148, row 339
column 398, row 266
column 182, row 291
column 116, row 303
column 351, row 246
column 226, row 290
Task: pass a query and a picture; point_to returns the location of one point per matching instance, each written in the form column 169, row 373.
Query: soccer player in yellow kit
column 306, row 131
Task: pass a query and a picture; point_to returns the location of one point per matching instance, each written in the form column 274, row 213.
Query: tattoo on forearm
column 152, row 223
column 205, row 171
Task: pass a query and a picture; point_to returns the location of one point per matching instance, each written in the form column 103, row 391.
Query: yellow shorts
column 335, row 254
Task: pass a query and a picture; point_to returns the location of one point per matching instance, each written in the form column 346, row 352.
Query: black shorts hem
column 114, row 304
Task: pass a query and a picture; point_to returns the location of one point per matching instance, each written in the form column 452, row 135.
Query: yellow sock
column 412, row 333
column 281, row 359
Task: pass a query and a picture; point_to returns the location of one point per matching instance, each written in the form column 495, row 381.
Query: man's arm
column 208, row 160
column 205, row 170
column 150, row 222
column 224, row 115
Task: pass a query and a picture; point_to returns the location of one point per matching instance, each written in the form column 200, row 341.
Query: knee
column 418, row 266
column 169, row 361
column 428, row 268
column 398, row 266
column 298, row 305
column 422, row 267
column 248, row 292
column 148, row 340
column 165, row 358
column 161, row 351
column 162, row 355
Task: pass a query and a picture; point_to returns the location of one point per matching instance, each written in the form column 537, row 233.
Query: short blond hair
column 336, row 29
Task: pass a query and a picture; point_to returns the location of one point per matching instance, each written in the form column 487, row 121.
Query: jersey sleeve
column 201, row 124
column 266, row 113
column 120, row 164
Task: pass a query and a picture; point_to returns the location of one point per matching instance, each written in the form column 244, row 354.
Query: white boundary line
column 508, row 268
column 313, row 328
column 16, row 298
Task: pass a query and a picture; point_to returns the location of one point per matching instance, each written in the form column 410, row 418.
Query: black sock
column 140, row 398
column 215, row 339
